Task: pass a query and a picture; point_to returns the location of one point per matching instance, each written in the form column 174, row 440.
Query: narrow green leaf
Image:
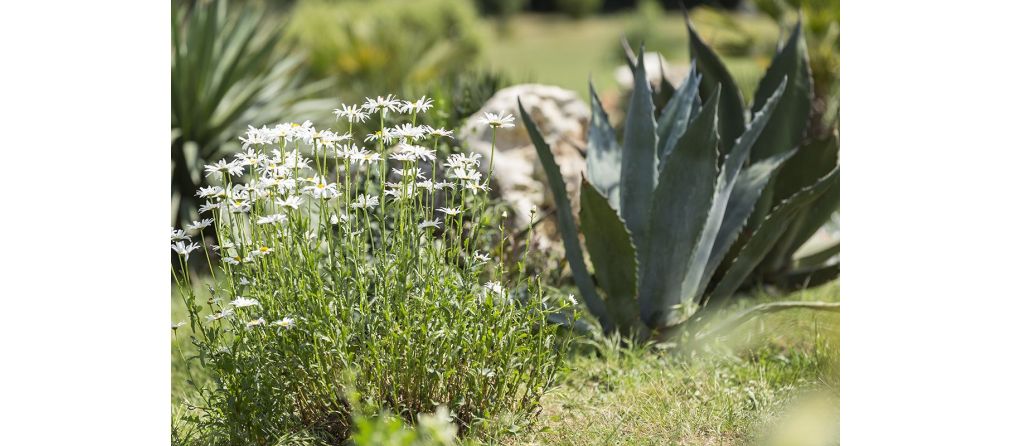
column 680, row 208
column 638, row 162
column 768, row 233
column 789, row 122
column 677, row 113
column 566, row 221
column 603, row 153
column 701, row 255
column 612, row 253
column 714, row 74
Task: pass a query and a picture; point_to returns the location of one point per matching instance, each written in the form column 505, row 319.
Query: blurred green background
column 242, row 62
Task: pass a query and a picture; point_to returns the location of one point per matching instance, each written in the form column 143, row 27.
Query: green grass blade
column 566, row 221
column 768, row 233
column 679, row 210
column 603, row 153
column 613, row 254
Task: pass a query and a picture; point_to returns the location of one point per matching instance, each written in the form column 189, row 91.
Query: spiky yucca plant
column 661, row 211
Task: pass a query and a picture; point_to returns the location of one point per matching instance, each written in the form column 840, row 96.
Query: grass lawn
column 774, row 380
column 559, row 51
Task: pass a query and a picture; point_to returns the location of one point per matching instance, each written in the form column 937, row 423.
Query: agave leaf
column 629, row 53
column 638, row 162
column 768, row 233
column 613, row 254
column 818, row 258
column 566, row 221
column 701, row 256
column 676, row 114
column 814, row 160
column 714, row 74
column 807, row 224
column 789, row 122
column 808, row 278
column 603, row 153
column 665, row 90
column 748, row 189
column 680, row 208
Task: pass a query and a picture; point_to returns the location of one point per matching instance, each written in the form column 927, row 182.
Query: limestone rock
column 563, row 119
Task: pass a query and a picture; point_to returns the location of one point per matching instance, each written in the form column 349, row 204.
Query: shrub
column 334, row 280
column 381, row 45
column 579, row 9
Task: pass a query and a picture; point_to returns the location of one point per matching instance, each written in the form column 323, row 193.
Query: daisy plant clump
column 336, row 272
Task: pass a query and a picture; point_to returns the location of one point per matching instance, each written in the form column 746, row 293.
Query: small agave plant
column 662, row 210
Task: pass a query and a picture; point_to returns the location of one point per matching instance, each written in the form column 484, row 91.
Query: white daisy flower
column 481, row 257
column 441, row 131
column 449, row 211
column 183, row 249
column 179, row 234
column 382, row 103
column 494, row 287
column 352, row 113
column 409, row 130
column 210, row 191
column 571, row 300
column 223, row 314
column 382, row 134
column 334, row 219
column 218, row 167
column 419, row 106
column 418, row 152
column 429, row 224
column 365, row 202
column 242, row 302
column 208, row 206
column 176, row 325
column 262, row 251
column 199, row 225
column 319, row 188
column 285, row 322
column 291, row 202
column 495, row 120
column 255, row 323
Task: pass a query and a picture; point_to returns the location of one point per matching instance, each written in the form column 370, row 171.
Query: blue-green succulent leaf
column 638, row 162
column 603, row 153
column 676, row 115
column 566, row 221
column 701, row 255
column 714, row 74
column 612, row 253
column 768, row 233
column 680, row 208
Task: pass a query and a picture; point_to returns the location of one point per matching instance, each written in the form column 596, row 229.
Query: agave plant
column 790, row 126
column 227, row 70
column 661, row 211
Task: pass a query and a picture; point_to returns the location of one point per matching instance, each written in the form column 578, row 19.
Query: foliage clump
column 348, row 269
